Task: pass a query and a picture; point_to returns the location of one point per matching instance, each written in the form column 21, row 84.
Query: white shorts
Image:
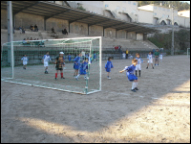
column 160, row 56
column 150, row 61
column 24, row 63
column 45, row 64
column 138, row 67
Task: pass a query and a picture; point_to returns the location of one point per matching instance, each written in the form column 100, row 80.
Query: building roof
column 52, row 10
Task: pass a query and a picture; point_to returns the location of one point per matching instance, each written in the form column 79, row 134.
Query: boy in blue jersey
column 45, row 61
column 130, row 74
column 95, row 56
column 83, row 69
column 138, row 66
column 69, row 58
column 108, row 67
column 25, row 61
column 77, row 64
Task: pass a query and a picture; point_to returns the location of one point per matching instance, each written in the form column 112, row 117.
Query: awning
column 52, row 10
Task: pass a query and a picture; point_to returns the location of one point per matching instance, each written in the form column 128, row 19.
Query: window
column 117, row 8
column 129, row 2
column 134, row 3
column 106, row 5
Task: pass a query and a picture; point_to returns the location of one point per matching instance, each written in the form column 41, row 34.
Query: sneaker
column 146, row 67
column 76, row 78
column 133, row 90
column 108, row 78
column 55, row 78
column 62, row 77
column 136, row 88
column 153, row 67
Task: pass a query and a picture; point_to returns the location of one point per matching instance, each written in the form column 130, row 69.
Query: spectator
column 116, row 48
column 24, row 41
column 127, row 52
column 36, row 27
column 123, row 55
column 53, row 30
column 28, row 38
column 34, row 38
column 20, row 29
column 32, row 27
column 120, row 48
column 31, row 38
column 64, row 31
column 23, row 30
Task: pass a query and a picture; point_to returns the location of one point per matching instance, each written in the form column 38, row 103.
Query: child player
column 77, row 64
column 95, row 56
column 150, row 60
column 59, row 65
column 25, row 61
column 69, row 58
column 108, row 67
column 130, row 74
column 46, row 59
column 83, row 69
column 138, row 66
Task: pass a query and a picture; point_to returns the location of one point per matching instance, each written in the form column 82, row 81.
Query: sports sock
column 136, row 84
column 136, row 72
column 139, row 72
column 61, row 75
column 56, row 74
column 133, row 85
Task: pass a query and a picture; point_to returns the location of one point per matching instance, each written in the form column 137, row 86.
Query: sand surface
column 158, row 112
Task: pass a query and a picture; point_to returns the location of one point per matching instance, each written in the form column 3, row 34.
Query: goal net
column 33, row 73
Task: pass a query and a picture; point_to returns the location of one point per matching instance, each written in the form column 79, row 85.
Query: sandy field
column 158, row 112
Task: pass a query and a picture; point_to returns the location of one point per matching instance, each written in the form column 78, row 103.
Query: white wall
column 139, row 36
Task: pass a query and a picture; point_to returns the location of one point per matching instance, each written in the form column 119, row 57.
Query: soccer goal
column 188, row 52
column 33, row 73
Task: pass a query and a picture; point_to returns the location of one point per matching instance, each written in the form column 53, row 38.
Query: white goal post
column 188, row 52
column 34, row 74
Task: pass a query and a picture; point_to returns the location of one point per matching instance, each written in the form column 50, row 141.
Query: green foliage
column 81, row 8
column 162, row 40
column 177, row 4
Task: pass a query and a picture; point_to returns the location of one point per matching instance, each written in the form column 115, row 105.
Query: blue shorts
column 76, row 67
column 132, row 77
column 108, row 70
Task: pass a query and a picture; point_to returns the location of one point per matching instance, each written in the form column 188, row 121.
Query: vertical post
column 10, row 33
column 88, row 30
column 100, row 62
column 172, row 48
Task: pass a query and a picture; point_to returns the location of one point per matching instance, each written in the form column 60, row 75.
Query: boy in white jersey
column 25, row 61
column 150, row 60
column 130, row 74
column 46, row 60
column 138, row 66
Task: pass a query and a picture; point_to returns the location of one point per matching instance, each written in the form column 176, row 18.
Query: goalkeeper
column 59, row 65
